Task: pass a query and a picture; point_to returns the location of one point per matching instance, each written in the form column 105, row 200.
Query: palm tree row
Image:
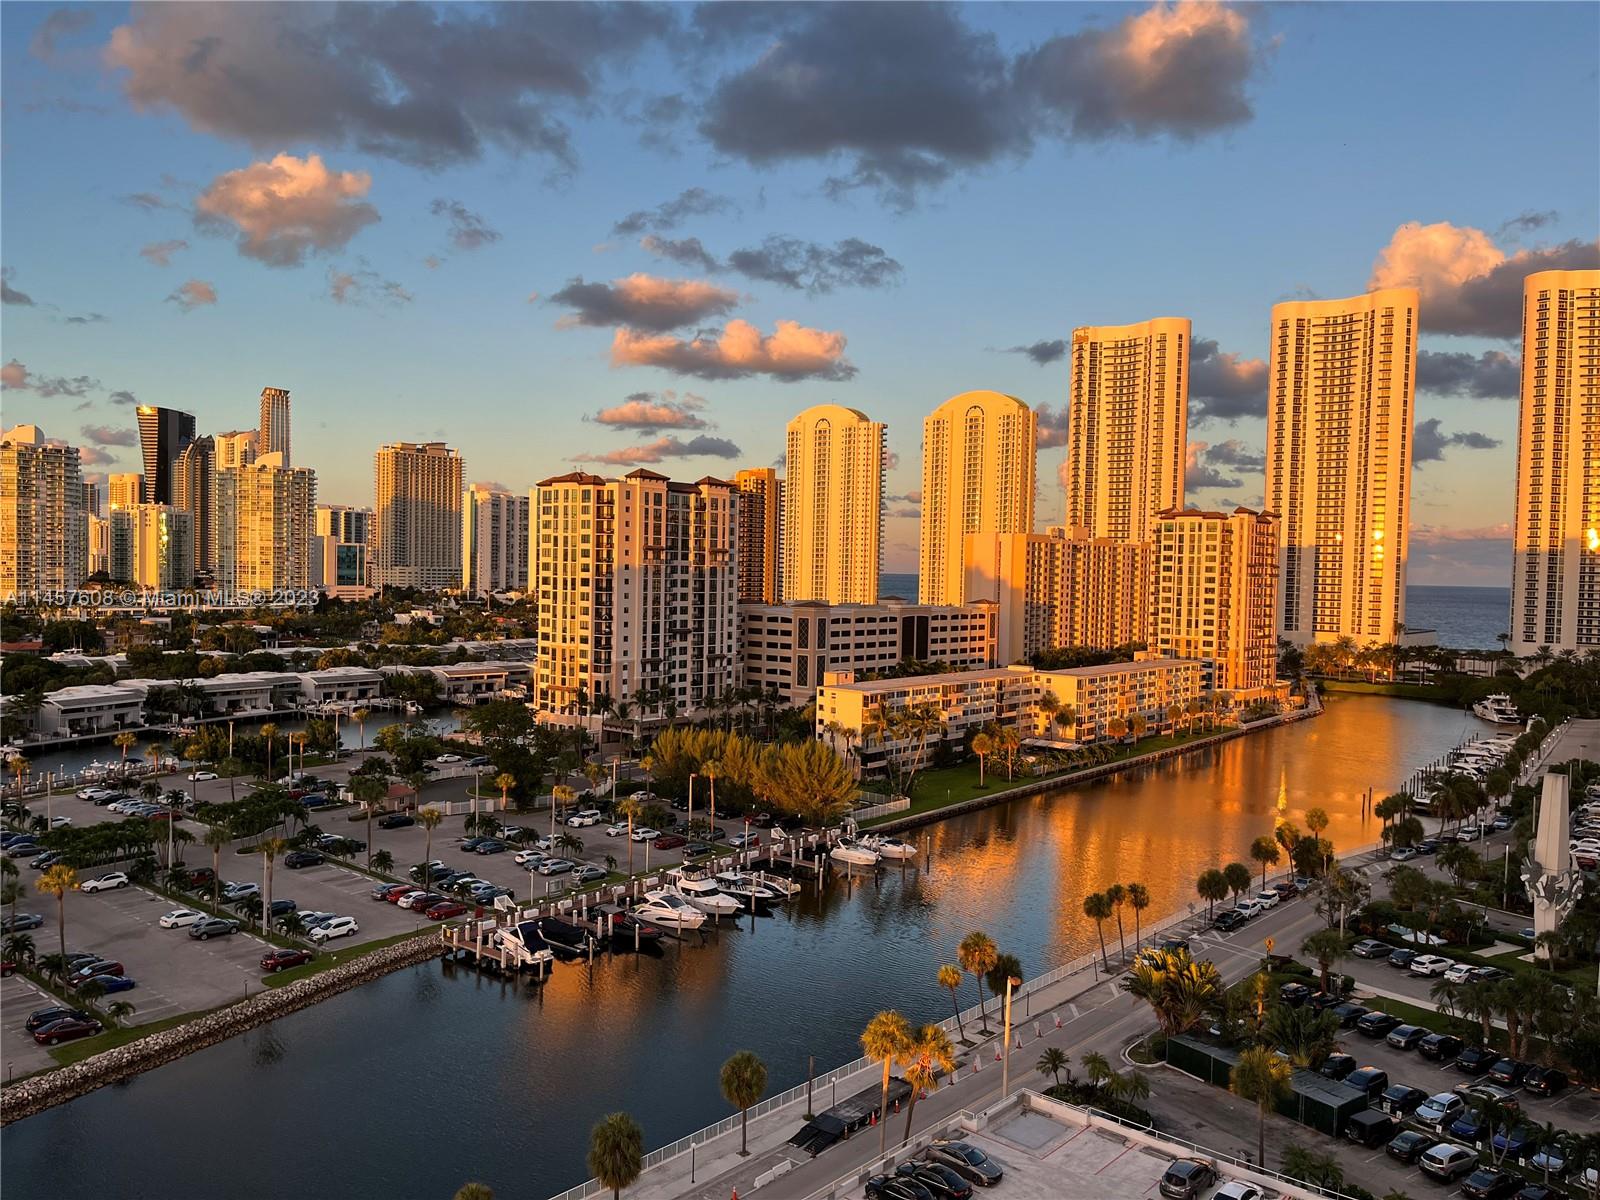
column 1099, row 907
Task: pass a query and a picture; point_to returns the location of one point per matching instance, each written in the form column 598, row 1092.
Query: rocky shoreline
column 39, row 1092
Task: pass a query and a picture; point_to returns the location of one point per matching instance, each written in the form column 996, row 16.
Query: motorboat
column 626, row 927
column 890, row 847
column 786, row 888
column 747, row 889
column 854, row 853
column 524, row 944
column 703, row 892
column 668, row 910
column 562, row 936
column 1498, row 708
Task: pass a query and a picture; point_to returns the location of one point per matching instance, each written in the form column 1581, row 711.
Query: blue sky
column 1000, row 174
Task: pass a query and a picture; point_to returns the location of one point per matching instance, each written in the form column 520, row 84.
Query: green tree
column 886, row 1039
column 1052, row 1062
column 1325, row 947
column 1117, row 895
column 616, row 1152
column 1097, row 907
column 217, row 837
column 926, row 1056
column 382, row 862
column 1266, row 852
column 1314, row 1167
column 1179, row 990
column 977, row 955
column 1262, row 1078
column 1212, row 886
column 57, row 881
column 744, row 1082
column 950, row 976
column 982, row 745
column 1239, row 879
column 1138, row 900
column 429, row 819
column 1305, row 1035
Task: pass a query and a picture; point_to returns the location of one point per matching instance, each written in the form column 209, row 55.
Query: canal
column 413, row 1085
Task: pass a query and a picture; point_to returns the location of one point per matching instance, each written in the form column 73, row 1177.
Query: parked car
column 65, row 1030
column 557, row 866
column 1320, row 1001
column 396, row 820
column 967, row 1161
column 1349, row 1013
column 420, row 902
column 670, row 841
column 492, row 846
column 619, row 829
column 589, row 873
column 201, row 776
column 338, row 927
column 1508, row 1072
column 940, row 1182
column 1430, row 964
column 110, row 881
column 94, row 970
column 584, row 817
column 1476, row 1060
column 1401, row 1100
column 1489, row 1091
column 390, row 891
column 1267, row 898
column 180, row 918
column 281, row 960
column 239, row 890
column 1402, row 957
column 1337, row 1066
column 1519, row 1141
column 890, row 1187
column 745, row 841
column 1294, row 994
column 296, row 859
column 1544, row 1081
column 445, row 909
column 1187, row 1178
column 1441, row 1047
column 1409, row 1144
column 1371, row 1080
column 1406, row 1037
column 1376, row 1024
column 213, row 927
column 1370, row 1128
column 1490, row 1183
column 643, row 833
column 20, row 923
column 1371, row 948
column 1448, row 1162
column 1228, row 920
column 1439, row 1110
column 1247, row 909
column 40, row 1017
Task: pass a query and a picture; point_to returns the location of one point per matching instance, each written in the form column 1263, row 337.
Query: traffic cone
column 873, row 1120
column 997, row 1054
column 1019, row 1041
column 897, row 1105
column 1058, row 1020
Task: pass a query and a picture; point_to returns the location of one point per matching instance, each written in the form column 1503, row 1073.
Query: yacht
column 668, row 910
column 747, row 889
column 889, row 847
column 702, row 892
column 854, row 853
column 1497, row 708
column 561, row 936
column 784, row 887
column 525, row 944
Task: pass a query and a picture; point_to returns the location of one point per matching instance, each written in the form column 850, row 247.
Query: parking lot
column 22, row 1054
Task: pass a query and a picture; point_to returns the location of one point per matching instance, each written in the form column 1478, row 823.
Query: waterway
column 434, row 1076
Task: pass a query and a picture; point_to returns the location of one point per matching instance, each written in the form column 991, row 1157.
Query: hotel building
column 43, row 526
column 417, row 534
column 760, row 534
column 494, row 541
column 265, row 517
column 1127, row 429
column 1555, row 582
column 833, row 506
column 1216, row 597
column 977, row 477
column 637, row 584
column 1341, row 376
column 791, row 647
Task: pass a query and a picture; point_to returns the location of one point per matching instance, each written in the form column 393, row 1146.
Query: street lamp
column 1005, row 1055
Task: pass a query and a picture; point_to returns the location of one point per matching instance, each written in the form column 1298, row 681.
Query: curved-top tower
column 833, row 506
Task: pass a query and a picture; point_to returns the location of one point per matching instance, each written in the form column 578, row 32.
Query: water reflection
column 538, row 1063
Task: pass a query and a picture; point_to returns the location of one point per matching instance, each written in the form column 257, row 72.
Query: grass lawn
column 324, row 960
column 1407, row 691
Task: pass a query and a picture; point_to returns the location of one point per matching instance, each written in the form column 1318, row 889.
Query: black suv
column 1337, row 1066
column 396, row 820
column 1441, row 1047
column 1376, row 1024
column 1475, row 1060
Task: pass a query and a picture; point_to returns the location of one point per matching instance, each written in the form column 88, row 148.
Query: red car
column 282, row 960
column 400, row 889
column 93, row 970
column 65, row 1030
column 670, row 841
column 164, row 815
column 446, row 908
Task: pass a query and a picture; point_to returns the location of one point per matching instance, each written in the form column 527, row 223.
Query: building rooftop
column 1120, row 668
column 987, row 675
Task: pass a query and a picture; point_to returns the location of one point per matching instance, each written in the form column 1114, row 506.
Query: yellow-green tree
column 886, row 1039
column 57, row 881
column 1262, row 1078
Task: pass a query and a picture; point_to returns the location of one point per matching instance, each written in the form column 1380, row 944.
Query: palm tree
column 1262, row 1078
column 119, row 1009
column 1052, row 1062
column 983, row 746
column 359, row 716
column 1118, row 896
column 429, row 819
column 744, row 1081
column 632, row 808
column 1317, row 823
column 1306, row 1036
column 217, row 838
column 505, row 781
column 57, row 881
column 1212, row 887
column 616, row 1152
column 977, row 954
column 950, row 977
column 125, row 742
column 19, row 948
column 928, row 1055
column 570, row 843
column 1266, row 852
column 369, row 792
column 474, row 1191
column 1326, row 946
column 886, row 1039
column 383, row 862
column 270, row 849
column 269, row 731
column 560, row 796
column 1138, row 900
column 1239, row 879
column 1098, row 909
column 1178, row 989
column 1097, row 1068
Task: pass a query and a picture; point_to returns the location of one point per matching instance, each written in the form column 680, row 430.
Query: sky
column 605, row 236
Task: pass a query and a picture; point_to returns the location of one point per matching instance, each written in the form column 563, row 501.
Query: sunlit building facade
column 275, row 423
column 833, row 506
column 163, row 433
column 760, row 534
column 494, row 541
column 417, row 536
column 265, row 519
column 43, row 526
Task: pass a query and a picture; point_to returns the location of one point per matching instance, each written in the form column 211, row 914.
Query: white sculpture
column 1554, row 884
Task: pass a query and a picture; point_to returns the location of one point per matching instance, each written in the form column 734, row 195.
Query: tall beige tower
column 417, row 533
column 494, row 540
column 44, row 530
column 123, row 489
column 275, row 422
column 977, row 477
column 760, row 534
column 265, row 517
column 1555, row 580
column 1128, row 427
column 1339, row 415
column 833, row 506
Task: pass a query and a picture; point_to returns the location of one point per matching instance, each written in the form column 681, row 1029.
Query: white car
column 584, row 817
column 238, row 891
column 521, row 857
column 618, row 830
column 645, row 834
column 202, row 776
column 1460, row 973
column 1267, row 899
column 60, row 822
column 410, row 898
column 180, row 918
column 1430, row 964
column 1437, row 1111
column 93, row 793
column 448, row 758
column 1236, row 1190
column 1248, row 909
column 338, row 927
column 106, row 882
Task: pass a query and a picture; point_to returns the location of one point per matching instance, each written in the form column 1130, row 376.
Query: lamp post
column 692, row 777
column 1005, row 1055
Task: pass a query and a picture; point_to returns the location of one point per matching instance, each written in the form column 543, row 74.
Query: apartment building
column 790, row 648
column 194, row 491
column 44, row 529
column 494, row 541
column 154, row 546
column 833, row 506
column 977, row 477
column 1555, row 580
column 1216, row 597
column 760, row 535
column 275, row 423
column 637, row 583
column 1341, row 380
column 163, row 433
column 416, row 539
column 124, row 488
column 264, row 519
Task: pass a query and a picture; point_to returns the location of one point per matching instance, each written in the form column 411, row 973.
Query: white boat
column 524, row 944
column 702, row 892
column 747, row 889
column 854, row 853
column 782, row 885
column 668, row 910
column 889, row 847
column 1498, row 708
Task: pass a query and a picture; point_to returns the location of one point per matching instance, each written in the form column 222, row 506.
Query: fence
column 897, row 804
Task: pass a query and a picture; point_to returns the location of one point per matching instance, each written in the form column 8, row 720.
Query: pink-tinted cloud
column 196, row 293
column 15, row 377
column 111, row 435
column 289, row 207
column 644, row 302
column 1224, row 385
column 667, row 447
column 160, row 253
column 90, row 456
column 1468, row 285
column 791, row 352
column 1052, row 426
column 649, row 412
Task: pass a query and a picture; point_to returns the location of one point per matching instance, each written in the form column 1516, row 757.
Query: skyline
column 1011, row 250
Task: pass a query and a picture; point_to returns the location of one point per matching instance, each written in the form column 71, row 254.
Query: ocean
column 1465, row 618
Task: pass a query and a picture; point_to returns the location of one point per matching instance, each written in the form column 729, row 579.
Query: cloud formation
column 61, row 23
column 644, row 302
column 423, row 84
column 160, row 253
column 669, row 214
column 468, row 230
column 649, row 412
column 360, row 285
column 790, row 353
column 15, row 377
column 909, row 94
column 687, row 252
column 111, row 435
column 1223, row 386
column 1042, row 353
column 196, row 293
column 89, row 456
column 1493, row 375
column 1199, row 474
column 1468, row 285
column 286, row 208
column 1429, row 442
column 789, row 262
column 9, row 294
column 123, row 396
column 1220, row 466
column 1052, row 426
column 667, row 447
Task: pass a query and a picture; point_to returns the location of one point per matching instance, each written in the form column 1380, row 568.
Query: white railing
column 873, row 811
